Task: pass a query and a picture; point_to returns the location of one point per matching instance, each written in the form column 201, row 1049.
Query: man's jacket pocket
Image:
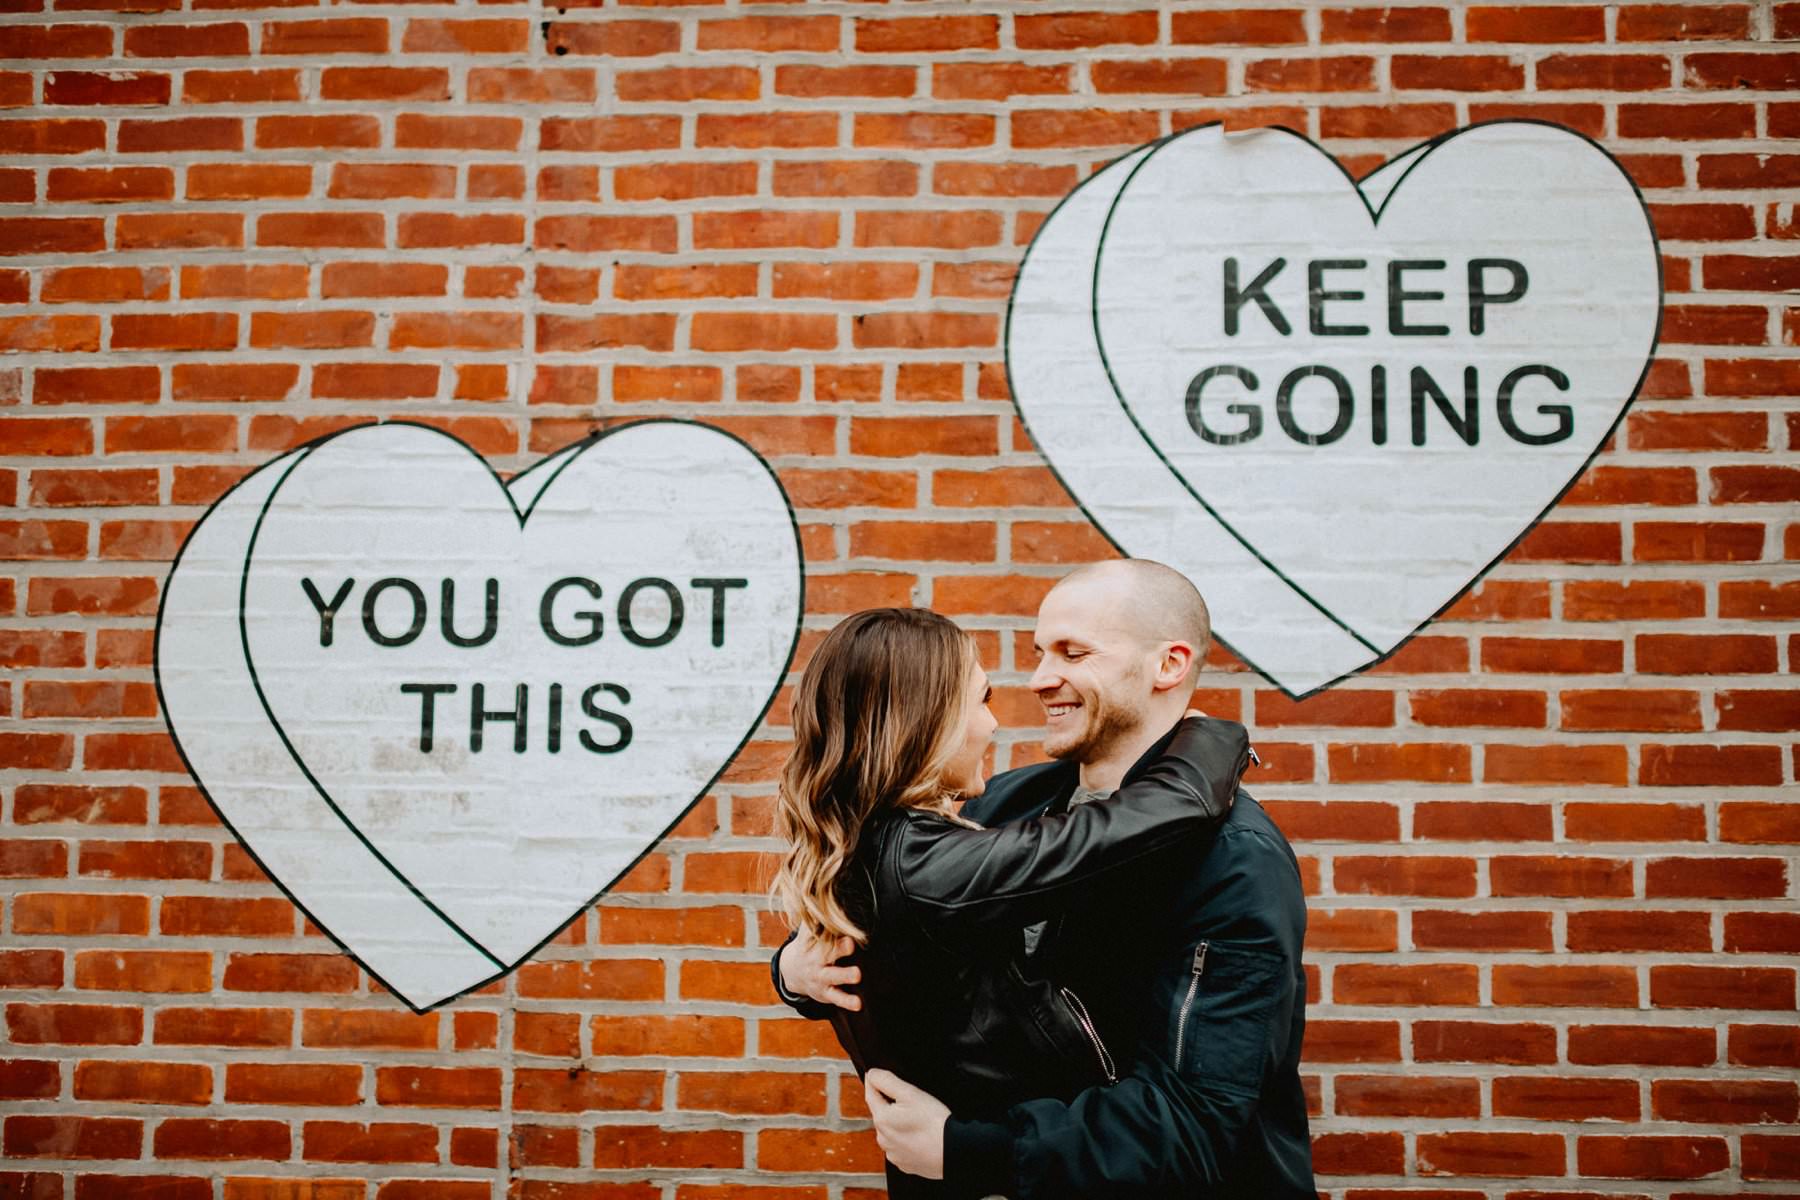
column 1220, row 1034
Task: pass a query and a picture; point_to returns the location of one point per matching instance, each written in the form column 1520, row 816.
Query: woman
column 891, row 726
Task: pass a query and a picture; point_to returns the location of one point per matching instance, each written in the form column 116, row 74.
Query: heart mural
column 446, row 714
column 1333, row 405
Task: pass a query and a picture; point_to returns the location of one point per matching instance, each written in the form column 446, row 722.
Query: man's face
column 1094, row 674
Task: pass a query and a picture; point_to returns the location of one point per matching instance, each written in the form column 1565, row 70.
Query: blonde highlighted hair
column 878, row 715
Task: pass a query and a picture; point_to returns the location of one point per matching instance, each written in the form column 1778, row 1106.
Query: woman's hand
column 808, row 968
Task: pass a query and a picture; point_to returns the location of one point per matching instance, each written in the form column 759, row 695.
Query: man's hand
column 808, row 969
column 909, row 1124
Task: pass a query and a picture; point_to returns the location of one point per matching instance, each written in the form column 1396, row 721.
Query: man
column 1196, row 974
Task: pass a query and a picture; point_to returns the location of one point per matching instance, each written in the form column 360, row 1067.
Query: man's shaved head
column 1156, row 602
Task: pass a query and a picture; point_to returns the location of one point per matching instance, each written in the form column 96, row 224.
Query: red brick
column 368, row 1030
column 815, row 1150
column 22, row 40
column 1359, row 1154
column 375, row 1142
column 1385, row 25
column 849, row 178
column 1456, row 73
column 438, row 1087
column 638, row 1146
column 1376, row 983
column 307, row 132
column 1560, row 656
column 1351, row 1041
column 1634, row 485
column 793, row 33
column 926, row 35
column 1709, row 766
column 1588, row 822
column 1715, row 878
column 1583, row 1099
column 1650, row 1045
column 1706, row 654
column 72, row 1137
column 39, row 803
column 143, row 1082
column 1386, row 120
column 1651, row 1157
column 337, row 36
column 1651, row 932
column 1469, row 820
column 103, row 285
column 583, row 1090
column 1623, row 709
column 224, row 38
column 1564, row 987
column 1763, row 1045
column 222, row 916
column 30, row 1079
column 111, row 88
column 1539, row 23
column 144, row 970
column 1479, row 707
column 1482, row 931
column 238, row 87
column 627, row 39
column 1423, row 762
column 1682, row 22
column 1687, row 121
column 74, row 1024
column 1770, row 711
column 1759, row 600
column 1042, row 129
column 1766, row 1156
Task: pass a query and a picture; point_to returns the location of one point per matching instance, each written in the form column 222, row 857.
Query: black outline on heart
column 584, row 444
column 1423, row 150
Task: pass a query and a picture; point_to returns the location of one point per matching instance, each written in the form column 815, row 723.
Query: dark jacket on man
column 1212, row 1104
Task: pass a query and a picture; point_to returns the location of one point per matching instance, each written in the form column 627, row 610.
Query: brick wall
column 1550, row 845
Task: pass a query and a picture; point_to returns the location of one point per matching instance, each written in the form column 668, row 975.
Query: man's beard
column 1107, row 724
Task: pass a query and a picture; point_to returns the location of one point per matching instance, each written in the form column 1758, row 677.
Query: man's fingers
column 894, row 1086
column 878, row 1103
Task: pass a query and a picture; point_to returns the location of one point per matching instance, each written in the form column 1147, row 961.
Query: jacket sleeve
column 961, row 878
column 1168, row 1128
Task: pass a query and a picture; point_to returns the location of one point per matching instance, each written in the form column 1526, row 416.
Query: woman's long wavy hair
column 877, row 716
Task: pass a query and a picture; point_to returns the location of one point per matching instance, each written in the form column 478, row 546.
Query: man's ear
column 1174, row 667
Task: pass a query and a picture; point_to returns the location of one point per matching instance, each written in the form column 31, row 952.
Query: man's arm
column 1168, row 1128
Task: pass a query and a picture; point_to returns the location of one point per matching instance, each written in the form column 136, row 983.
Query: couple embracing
column 1085, row 981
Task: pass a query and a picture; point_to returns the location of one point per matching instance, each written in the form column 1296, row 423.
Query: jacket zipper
column 1093, row 1036
column 1188, row 1002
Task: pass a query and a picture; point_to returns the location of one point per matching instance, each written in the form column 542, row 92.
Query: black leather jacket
column 946, row 1002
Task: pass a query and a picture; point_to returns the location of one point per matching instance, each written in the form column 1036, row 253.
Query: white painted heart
column 443, row 780
column 1334, row 406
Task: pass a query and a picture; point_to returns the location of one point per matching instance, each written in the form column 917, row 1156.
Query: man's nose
column 1043, row 679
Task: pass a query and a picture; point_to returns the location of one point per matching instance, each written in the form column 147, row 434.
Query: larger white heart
column 647, row 595
column 1254, row 339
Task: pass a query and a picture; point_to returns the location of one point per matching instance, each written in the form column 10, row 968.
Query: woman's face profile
column 964, row 774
